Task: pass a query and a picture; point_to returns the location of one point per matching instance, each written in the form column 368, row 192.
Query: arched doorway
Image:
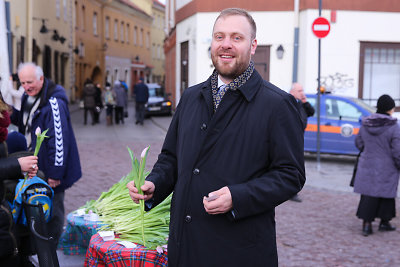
column 96, row 76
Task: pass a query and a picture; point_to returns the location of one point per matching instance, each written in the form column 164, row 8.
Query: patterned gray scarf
column 233, row 85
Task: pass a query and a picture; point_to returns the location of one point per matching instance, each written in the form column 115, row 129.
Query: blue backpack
column 33, row 191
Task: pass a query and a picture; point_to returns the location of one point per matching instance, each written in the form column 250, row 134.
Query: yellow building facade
column 42, row 32
column 157, row 39
column 101, row 40
column 145, row 5
column 112, row 42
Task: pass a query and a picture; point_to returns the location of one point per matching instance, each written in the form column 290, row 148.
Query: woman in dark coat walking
column 377, row 175
column 121, row 100
column 89, row 100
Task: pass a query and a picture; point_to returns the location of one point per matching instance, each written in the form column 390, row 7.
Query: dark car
column 340, row 121
column 158, row 103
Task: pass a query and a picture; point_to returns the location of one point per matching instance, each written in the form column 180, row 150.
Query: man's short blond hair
column 239, row 12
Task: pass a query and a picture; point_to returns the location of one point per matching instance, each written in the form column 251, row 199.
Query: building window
column 76, row 15
column 153, row 51
column 148, row 40
column 135, row 36
column 58, row 9
column 63, row 67
column 108, row 76
column 116, row 30
column 116, row 74
column 122, row 31
column 128, row 37
column 95, row 23
column 380, row 71
column 65, row 10
column 141, row 38
column 56, row 69
column 81, row 50
column 107, row 28
column 83, row 18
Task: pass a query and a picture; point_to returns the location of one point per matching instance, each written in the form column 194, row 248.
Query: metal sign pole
column 319, row 107
column 319, row 97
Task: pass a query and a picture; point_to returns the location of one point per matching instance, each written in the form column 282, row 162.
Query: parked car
column 340, row 121
column 158, row 103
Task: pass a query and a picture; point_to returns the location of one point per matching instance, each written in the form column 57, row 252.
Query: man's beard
column 230, row 72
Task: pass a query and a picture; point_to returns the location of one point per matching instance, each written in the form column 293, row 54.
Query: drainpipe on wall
column 29, row 21
column 296, row 40
column 166, row 18
column 9, row 35
column 71, row 60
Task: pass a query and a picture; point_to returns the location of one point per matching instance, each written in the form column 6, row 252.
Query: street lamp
column 43, row 29
column 280, row 51
column 55, row 37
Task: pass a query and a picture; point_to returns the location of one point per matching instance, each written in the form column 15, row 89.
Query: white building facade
column 360, row 57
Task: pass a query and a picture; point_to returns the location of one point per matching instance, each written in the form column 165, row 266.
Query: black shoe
column 386, row 226
column 367, row 229
column 137, row 122
column 296, row 198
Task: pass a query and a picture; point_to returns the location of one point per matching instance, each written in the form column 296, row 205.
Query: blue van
column 340, row 121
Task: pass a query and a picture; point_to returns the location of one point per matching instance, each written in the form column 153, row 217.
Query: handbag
column 355, row 169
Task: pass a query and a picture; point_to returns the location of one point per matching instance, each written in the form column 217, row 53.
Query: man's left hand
column 222, row 204
column 53, row 183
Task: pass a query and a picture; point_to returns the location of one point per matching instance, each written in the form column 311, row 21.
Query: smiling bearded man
column 233, row 43
column 233, row 152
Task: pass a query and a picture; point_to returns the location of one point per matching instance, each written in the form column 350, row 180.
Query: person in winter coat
column 89, row 101
column 10, row 168
column 121, row 102
column 109, row 100
column 98, row 103
column 45, row 105
column 378, row 167
column 305, row 109
column 233, row 152
column 141, row 96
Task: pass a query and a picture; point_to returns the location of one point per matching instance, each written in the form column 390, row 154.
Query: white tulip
column 144, row 152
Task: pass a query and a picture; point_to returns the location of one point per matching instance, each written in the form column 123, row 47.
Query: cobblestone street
column 322, row 230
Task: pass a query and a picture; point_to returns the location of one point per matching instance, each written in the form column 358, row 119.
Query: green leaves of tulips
column 139, row 178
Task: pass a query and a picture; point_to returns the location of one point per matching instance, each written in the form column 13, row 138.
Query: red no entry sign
column 321, row 27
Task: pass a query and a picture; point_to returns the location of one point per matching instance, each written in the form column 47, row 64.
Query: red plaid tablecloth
column 110, row 253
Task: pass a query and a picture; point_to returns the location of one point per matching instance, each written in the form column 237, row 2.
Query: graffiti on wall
column 337, row 83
